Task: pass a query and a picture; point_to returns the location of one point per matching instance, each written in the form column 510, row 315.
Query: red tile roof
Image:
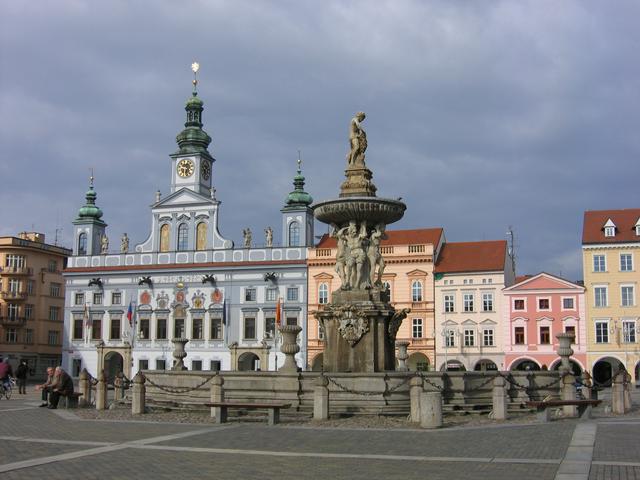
column 486, row 256
column 522, row 278
column 420, row 236
column 624, row 220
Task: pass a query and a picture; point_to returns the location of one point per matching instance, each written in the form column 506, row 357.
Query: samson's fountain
column 359, row 324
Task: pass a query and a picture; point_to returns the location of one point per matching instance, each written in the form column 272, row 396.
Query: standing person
column 46, row 387
column 21, row 374
column 63, row 386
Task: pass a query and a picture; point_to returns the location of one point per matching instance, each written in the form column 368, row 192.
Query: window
column 450, row 338
column 417, row 328
column 77, row 328
column 28, row 336
column 272, row 294
column 161, row 364
column 196, row 365
column 416, row 291
column 96, row 329
column 14, row 285
column 518, row 304
column 602, row 332
column 249, row 328
column 54, row 313
column 13, row 311
column 487, row 302
column 183, row 236
column 116, row 298
column 545, row 336
column 82, row 244
column 15, row 261
column 543, row 304
column 627, row 295
column 28, row 311
column 53, row 337
column 599, row 263
column 626, row 262
column 161, row 329
column 323, row 294
column 294, row 234
column 11, row 335
column 53, row 266
column 571, row 330
column 629, row 331
column 215, row 365
column 196, row 330
column 30, row 285
column 292, row 320
column 518, row 335
column 164, row 238
column 201, row 236
column 270, row 327
column 178, row 328
column 610, row 231
column 249, row 294
column 467, row 301
column 469, row 337
column 144, row 329
column 487, row 337
column 114, row 332
column 143, row 364
column 568, row 303
column 97, row 298
column 292, row 294
column 54, row 289
column 449, row 302
column 79, row 299
column 216, row 329
column 600, row 294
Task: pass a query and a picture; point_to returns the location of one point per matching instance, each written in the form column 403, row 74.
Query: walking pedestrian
column 21, row 374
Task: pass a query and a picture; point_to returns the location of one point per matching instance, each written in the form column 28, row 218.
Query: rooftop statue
column 358, row 141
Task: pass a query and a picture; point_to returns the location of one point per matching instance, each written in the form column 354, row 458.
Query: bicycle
column 6, row 390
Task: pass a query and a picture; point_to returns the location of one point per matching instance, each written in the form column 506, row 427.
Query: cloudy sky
column 480, row 115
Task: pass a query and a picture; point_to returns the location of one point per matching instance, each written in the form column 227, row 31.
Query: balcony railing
column 323, row 252
column 386, row 250
column 10, row 295
column 16, row 271
column 417, row 248
column 12, row 321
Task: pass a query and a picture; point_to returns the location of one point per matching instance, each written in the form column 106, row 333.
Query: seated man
column 46, row 387
column 63, row 386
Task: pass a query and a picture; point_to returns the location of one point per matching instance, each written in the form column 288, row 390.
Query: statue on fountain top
column 358, row 141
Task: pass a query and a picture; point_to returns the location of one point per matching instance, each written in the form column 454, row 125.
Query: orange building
column 409, row 256
column 31, row 301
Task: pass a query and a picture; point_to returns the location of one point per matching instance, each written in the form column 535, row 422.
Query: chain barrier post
column 138, row 396
column 118, row 383
column 568, row 392
column 321, row 399
column 101, row 392
column 617, row 393
column 627, row 391
column 416, row 387
column 217, row 395
column 499, row 399
column 84, row 387
column 431, row 409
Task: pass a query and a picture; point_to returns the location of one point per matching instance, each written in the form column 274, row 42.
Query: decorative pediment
column 417, row 273
column 182, row 197
column 519, row 319
column 450, row 323
column 488, row 321
column 469, row 322
column 544, row 319
column 323, row 276
column 543, row 281
column 570, row 318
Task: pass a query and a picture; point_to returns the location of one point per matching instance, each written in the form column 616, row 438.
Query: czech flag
column 130, row 314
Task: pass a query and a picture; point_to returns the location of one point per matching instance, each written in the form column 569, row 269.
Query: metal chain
column 355, row 392
column 529, row 388
column 177, row 390
column 403, row 382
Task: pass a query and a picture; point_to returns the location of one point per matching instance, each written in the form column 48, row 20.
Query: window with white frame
column 627, row 297
column 638, row 230
column 629, row 331
column 249, row 328
column 116, row 298
column 97, row 298
column 599, row 263
column 518, row 304
column 416, row 291
column 600, row 296
column 568, row 303
column 487, row 337
column 518, row 336
column 79, row 299
column 544, row 304
column 602, row 331
column 610, row 231
column 15, row 261
column 487, row 302
column 450, row 338
column 292, row 294
column 449, row 302
column 626, row 262
column 467, row 302
column 15, row 286
column 545, row 335
column 469, row 337
column 323, row 294
column 11, row 335
column 417, row 328
column 55, row 289
column 249, row 294
column 271, row 294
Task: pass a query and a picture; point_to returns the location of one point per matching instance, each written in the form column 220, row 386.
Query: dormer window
column 637, row 226
column 609, row 229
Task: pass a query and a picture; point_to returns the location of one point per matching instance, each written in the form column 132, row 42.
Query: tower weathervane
column 195, row 66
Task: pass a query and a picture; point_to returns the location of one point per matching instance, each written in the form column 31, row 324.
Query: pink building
column 537, row 308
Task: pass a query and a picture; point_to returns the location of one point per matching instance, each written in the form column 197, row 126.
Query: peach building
column 409, row 257
column 536, row 309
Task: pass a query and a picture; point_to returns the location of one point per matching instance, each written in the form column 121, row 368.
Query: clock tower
column 191, row 164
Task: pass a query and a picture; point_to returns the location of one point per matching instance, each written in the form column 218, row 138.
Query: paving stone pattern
column 614, row 472
column 617, row 442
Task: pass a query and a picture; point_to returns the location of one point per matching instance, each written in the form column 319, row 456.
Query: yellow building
column 31, row 301
column 409, row 257
column 611, row 258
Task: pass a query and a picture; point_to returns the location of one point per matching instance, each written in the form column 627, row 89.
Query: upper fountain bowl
column 372, row 210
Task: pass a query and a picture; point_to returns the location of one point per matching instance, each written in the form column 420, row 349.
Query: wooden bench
column 544, row 413
column 273, row 408
column 71, row 400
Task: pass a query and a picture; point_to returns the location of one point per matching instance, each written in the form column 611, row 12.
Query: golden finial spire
column 195, row 66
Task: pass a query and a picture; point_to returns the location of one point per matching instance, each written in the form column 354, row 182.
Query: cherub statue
column 268, row 233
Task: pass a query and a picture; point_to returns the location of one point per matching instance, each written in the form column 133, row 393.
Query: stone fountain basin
column 373, row 210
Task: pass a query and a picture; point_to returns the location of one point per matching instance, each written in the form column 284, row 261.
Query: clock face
column 205, row 170
column 185, row 168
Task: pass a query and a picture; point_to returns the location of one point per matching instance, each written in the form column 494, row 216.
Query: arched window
column 323, row 293
column 82, row 244
column 294, row 234
column 183, row 236
column 416, row 291
column 164, row 238
column 201, row 236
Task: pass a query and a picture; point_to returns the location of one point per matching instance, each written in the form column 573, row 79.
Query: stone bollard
column 569, row 393
column 500, row 399
column 402, row 355
column 85, row 388
column 415, row 390
column 118, row 382
column 627, row 391
column 138, row 396
column 321, row 399
column 617, row 394
column 101, row 392
column 289, row 347
column 430, row 409
column 217, row 395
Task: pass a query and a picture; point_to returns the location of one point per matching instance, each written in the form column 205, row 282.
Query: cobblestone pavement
column 41, row 443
